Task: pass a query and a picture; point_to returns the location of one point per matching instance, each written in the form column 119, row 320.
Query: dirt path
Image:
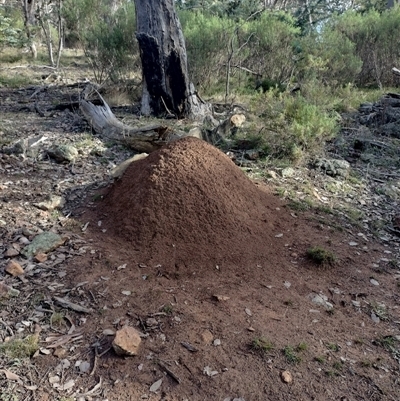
column 219, row 330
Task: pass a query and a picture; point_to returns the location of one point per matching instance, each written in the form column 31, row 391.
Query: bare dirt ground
column 212, row 269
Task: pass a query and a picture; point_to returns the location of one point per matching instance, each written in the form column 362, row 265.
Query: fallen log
column 150, row 138
column 144, row 139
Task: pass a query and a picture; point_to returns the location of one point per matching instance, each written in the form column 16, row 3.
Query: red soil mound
column 189, row 204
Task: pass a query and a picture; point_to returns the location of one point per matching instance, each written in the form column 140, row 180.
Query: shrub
column 108, row 38
column 321, row 256
column 330, row 58
column 376, row 37
column 207, row 39
column 294, row 125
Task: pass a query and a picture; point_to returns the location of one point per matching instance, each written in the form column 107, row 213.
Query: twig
column 70, row 305
column 169, row 371
column 96, row 356
column 166, row 108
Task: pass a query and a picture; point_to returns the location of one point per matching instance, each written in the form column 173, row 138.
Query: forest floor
column 247, row 320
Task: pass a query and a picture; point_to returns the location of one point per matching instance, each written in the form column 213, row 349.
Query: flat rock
column 40, row 257
column 332, row 167
column 54, row 202
column 207, row 337
column 63, row 153
column 11, row 252
column 286, row 377
column 43, row 243
column 7, row 291
column 126, row 341
column 287, row 172
column 14, row 268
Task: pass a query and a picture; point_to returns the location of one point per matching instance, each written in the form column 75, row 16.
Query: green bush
column 207, row 39
column 330, row 58
column 10, row 35
column 294, row 125
column 270, row 51
column 376, row 37
column 108, row 39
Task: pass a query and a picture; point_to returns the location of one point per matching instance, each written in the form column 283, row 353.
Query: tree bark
column 166, row 84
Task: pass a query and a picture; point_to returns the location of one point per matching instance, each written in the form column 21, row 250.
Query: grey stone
column 332, row 167
column 390, row 129
column 54, row 202
column 287, row 172
column 43, row 243
column 17, row 148
column 28, row 146
column 63, row 153
column 252, row 154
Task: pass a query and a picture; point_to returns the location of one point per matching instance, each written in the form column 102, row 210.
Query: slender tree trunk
column 166, row 84
column 28, row 8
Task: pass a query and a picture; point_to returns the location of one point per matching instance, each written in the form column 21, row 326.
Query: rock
column 237, row 120
column 391, row 129
column 26, row 145
column 252, row 154
column 11, row 252
column 209, row 372
column 126, row 341
column 221, row 298
column 84, row 366
column 60, row 352
column 272, row 174
column 217, row 342
column 151, row 322
column 117, row 172
column 63, row 153
column 332, row 167
column 7, row 291
column 286, row 377
column 14, row 268
column 207, row 337
column 17, row 148
column 40, row 257
column 287, row 172
column 322, row 300
column 155, row 386
column 43, row 243
column 374, row 282
column 54, row 202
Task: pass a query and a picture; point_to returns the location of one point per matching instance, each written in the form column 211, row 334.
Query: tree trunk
column 28, row 8
column 166, row 85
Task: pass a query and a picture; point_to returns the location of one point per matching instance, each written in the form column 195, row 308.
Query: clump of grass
column 301, row 347
column 319, row 359
column 261, row 345
column 20, row 348
column 57, row 319
column 167, row 309
column 291, row 355
column 333, row 347
column 338, row 366
column 387, row 342
column 321, row 256
column 380, row 310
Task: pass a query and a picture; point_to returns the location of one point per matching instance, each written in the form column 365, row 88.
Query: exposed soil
column 209, row 266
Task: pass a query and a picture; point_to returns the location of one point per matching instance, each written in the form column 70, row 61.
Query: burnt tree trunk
column 166, row 85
